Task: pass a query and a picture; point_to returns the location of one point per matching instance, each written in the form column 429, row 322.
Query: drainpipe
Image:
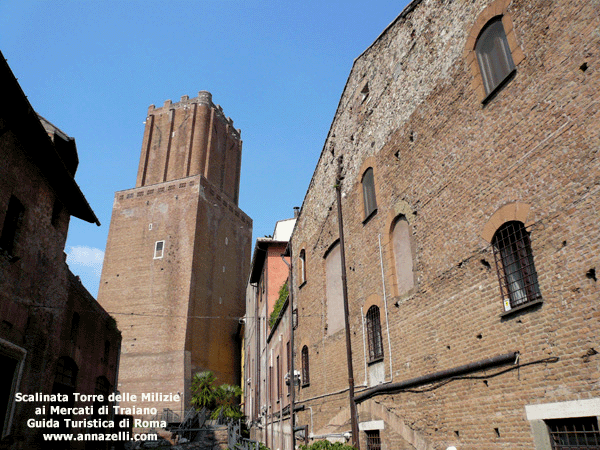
column 353, row 414
column 257, row 368
column 430, row 378
column 266, row 321
column 291, row 355
column 387, row 321
column 362, row 321
column 116, row 385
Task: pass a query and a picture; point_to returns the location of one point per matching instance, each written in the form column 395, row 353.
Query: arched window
column 403, row 255
column 514, row 263
column 493, row 55
column 368, row 186
column 305, row 367
column 302, row 268
column 374, row 334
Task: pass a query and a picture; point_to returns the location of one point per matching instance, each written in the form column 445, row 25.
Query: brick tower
column 178, row 254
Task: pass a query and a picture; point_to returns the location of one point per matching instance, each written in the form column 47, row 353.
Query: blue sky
column 278, row 69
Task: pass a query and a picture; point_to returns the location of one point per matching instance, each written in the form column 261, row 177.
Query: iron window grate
column 373, row 440
column 514, row 263
column 574, row 433
column 305, row 367
column 374, row 334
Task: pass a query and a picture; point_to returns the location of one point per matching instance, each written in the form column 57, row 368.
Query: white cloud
column 86, row 256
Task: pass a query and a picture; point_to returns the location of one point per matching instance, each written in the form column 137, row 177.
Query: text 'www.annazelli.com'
column 121, row 436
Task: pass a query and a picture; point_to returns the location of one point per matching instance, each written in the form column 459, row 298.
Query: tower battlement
column 191, row 137
column 204, row 98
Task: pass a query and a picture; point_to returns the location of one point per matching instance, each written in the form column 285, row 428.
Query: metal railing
column 235, row 440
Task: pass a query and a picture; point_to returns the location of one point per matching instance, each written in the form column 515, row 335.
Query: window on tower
column 159, row 248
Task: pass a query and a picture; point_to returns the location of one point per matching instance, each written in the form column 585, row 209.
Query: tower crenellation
column 191, row 137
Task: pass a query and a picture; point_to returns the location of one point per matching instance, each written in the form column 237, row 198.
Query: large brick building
column 469, row 133
column 178, row 254
column 54, row 336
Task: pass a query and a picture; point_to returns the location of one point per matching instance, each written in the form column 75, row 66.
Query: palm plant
column 227, row 402
column 203, row 392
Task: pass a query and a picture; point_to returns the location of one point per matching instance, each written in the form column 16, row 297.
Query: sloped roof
column 18, row 116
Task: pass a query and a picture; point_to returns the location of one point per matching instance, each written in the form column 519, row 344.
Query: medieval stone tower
column 178, row 254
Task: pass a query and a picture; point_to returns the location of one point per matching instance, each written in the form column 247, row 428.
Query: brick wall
column 448, row 163
column 39, row 296
column 179, row 313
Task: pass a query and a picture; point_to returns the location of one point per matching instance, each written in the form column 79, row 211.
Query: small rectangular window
column 159, row 248
column 373, row 440
column 289, row 366
column 574, row 433
column 278, row 377
column 12, row 225
column 56, row 212
column 106, row 351
column 74, row 327
column 302, row 261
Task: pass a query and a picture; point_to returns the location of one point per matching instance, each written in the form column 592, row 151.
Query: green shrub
column 326, row 445
column 283, row 295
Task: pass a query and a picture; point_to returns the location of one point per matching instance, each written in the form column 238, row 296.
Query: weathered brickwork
column 447, row 163
column 191, row 137
column 177, row 258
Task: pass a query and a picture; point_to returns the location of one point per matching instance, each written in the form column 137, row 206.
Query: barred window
column 305, row 367
column 493, row 55
column 374, row 334
column 373, row 440
column 368, row 185
column 574, row 433
column 514, row 263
